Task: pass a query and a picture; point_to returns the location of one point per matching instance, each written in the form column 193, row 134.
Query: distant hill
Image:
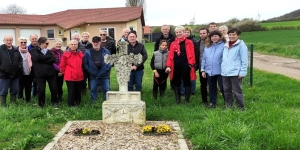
column 294, row 15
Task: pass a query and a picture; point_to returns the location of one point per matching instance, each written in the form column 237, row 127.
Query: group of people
column 220, row 56
column 29, row 67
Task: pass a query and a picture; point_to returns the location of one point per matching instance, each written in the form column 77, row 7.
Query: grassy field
column 283, row 23
column 271, row 120
column 284, row 43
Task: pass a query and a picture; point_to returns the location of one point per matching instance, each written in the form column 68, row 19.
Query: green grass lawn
column 283, row 23
column 271, row 120
column 284, row 43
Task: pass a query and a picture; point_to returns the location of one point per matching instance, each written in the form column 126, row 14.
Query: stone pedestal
column 124, row 107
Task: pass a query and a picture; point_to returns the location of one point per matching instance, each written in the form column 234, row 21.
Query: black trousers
column 74, row 92
column 161, row 81
column 41, row 83
column 25, row 83
column 59, row 82
column 203, row 85
column 181, row 73
column 86, row 79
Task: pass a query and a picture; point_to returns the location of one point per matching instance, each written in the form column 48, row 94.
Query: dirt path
column 285, row 66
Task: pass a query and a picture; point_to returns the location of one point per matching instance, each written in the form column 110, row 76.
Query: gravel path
column 285, row 66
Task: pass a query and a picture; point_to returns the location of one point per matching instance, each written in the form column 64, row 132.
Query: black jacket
column 110, row 45
column 10, row 67
column 42, row 64
column 170, row 39
column 195, row 51
column 138, row 48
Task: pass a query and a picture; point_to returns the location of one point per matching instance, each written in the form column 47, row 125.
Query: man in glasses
column 107, row 42
column 11, row 63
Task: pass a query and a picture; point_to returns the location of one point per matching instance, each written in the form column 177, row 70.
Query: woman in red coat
column 71, row 68
column 180, row 63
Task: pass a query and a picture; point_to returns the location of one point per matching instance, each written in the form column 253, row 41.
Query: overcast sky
column 175, row 12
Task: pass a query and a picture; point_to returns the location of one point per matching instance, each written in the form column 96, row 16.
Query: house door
column 73, row 31
column 27, row 32
column 4, row 32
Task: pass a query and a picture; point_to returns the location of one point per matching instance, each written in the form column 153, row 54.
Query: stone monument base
column 124, row 107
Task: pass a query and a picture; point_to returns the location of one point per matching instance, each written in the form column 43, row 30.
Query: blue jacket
column 89, row 65
column 212, row 59
column 235, row 60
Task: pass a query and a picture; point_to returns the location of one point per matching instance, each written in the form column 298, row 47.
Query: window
column 50, row 33
column 60, row 32
column 110, row 32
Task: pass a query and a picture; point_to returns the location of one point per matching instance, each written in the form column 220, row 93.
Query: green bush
column 249, row 25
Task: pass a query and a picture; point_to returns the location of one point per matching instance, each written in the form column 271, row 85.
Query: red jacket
column 190, row 53
column 71, row 66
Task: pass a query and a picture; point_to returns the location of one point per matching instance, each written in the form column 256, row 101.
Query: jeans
column 212, row 83
column 11, row 84
column 94, row 84
column 136, row 78
column 193, row 87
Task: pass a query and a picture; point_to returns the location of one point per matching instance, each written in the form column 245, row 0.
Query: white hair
column 75, row 34
column 57, row 40
column 126, row 29
column 103, row 31
column 73, row 41
column 22, row 38
column 166, row 26
column 179, row 28
column 83, row 33
column 224, row 26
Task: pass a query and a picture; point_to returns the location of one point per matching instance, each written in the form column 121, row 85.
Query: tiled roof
column 74, row 17
column 146, row 29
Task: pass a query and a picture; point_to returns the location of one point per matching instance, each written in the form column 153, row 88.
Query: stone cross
column 123, row 63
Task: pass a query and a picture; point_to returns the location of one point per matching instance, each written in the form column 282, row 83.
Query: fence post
column 251, row 64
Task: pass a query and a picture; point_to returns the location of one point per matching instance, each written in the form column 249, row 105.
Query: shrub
column 248, row 25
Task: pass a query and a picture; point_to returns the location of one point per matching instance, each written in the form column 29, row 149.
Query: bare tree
column 131, row 3
column 13, row 9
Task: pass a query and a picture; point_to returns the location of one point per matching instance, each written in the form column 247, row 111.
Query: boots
column 177, row 94
column 154, row 95
column 187, row 94
column 59, row 97
column 161, row 93
column 3, row 101
column 13, row 99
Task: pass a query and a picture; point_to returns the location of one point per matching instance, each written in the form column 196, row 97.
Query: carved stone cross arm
column 110, row 59
column 135, row 59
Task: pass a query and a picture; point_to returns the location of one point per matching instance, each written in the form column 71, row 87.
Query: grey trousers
column 233, row 85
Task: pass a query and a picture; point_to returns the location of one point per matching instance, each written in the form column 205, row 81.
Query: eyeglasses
column 73, row 44
column 102, row 34
column 47, row 43
column 23, row 42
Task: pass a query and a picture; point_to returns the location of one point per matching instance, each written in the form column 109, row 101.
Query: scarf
column 44, row 51
column 177, row 44
column 28, row 57
column 230, row 44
